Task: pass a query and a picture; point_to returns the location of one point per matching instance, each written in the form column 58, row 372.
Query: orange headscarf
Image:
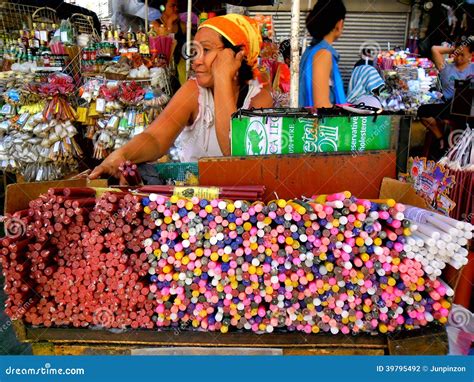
column 240, row 31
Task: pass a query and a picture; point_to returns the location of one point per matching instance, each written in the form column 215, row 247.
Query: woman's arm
column 322, row 66
column 263, row 99
column 225, row 104
column 437, row 53
column 156, row 140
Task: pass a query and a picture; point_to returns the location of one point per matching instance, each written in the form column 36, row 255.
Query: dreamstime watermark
column 112, row 219
column 14, row 227
column 19, row 313
column 103, row 317
column 287, row 141
column 183, row 326
column 466, row 41
column 454, row 137
column 192, row 50
column 356, row 152
column 370, row 48
column 467, row 217
column 45, row 370
column 461, row 318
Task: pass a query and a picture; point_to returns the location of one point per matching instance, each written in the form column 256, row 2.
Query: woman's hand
column 110, row 166
column 227, row 64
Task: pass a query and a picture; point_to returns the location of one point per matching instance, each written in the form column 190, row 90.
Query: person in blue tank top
column 320, row 82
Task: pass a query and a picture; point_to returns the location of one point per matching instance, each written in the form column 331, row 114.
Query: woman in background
column 171, row 24
column 321, row 84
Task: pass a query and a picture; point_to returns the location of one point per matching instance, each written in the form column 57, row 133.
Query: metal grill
column 371, row 29
column 44, row 15
column 83, row 24
column 14, row 16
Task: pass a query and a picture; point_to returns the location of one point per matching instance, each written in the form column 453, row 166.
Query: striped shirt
column 364, row 80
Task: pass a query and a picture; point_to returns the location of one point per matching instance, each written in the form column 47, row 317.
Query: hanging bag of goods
column 459, row 161
column 39, row 136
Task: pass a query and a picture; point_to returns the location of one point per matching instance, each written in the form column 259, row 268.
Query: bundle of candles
column 81, row 272
column 334, row 263
column 130, row 172
column 437, row 241
column 252, row 193
column 459, row 162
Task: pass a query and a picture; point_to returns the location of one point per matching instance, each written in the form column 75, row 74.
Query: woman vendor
column 200, row 112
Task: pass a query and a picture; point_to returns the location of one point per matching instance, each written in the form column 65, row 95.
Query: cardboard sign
column 266, row 135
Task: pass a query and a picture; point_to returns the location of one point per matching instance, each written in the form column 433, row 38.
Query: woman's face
column 171, row 7
column 207, row 44
column 462, row 56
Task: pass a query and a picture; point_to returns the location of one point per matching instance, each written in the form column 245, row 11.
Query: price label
column 208, row 193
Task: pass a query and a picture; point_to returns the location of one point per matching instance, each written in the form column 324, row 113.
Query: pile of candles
column 334, row 264
column 130, row 173
column 437, row 241
column 85, row 267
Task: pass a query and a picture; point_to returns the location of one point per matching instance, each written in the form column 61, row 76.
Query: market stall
column 232, row 258
column 298, row 241
column 410, row 81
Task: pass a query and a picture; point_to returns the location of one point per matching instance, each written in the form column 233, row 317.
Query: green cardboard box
column 257, row 133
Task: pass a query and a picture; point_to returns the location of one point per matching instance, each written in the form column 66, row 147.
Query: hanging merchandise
column 116, row 111
column 460, row 164
column 66, row 32
column 38, row 136
column 128, row 55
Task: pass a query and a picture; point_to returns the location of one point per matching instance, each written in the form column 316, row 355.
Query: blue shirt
column 449, row 74
column 306, row 76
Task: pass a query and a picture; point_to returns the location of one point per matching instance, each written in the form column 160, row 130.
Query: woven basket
column 115, row 76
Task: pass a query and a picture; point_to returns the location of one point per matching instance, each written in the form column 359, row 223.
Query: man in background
column 433, row 116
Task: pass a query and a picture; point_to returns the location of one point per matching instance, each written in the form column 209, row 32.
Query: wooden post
column 295, row 57
column 146, row 16
column 188, row 37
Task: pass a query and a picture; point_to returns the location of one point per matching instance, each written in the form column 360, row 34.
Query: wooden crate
column 69, row 341
column 290, row 176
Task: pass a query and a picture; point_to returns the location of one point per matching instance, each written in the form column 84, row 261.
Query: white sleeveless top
column 200, row 139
